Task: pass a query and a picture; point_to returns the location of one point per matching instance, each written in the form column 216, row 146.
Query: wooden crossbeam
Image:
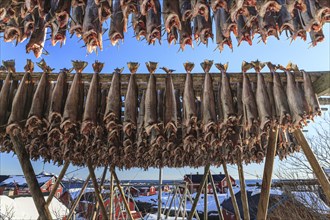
column 318, row 171
column 96, row 208
column 29, row 174
column 322, row 85
column 267, row 176
column 178, row 79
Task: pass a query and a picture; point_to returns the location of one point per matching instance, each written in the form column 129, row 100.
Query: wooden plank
column 206, row 212
column 217, row 202
column 97, row 190
column 160, row 182
column 30, row 176
column 76, row 202
column 199, row 191
column 128, row 211
column 267, row 176
column 96, row 208
column 111, row 213
column 318, row 171
column 178, row 78
column 232, row 194
column 322, row 85
column 58, row 182
column 244, row 198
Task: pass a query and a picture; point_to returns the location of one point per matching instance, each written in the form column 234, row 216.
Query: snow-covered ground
column 154, row 217
column 24, row 208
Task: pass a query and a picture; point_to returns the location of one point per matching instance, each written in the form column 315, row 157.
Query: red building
column 220, row 182
column 143, row 191
column 17, row 185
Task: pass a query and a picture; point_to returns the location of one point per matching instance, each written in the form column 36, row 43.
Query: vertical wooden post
column 159, row 210
column 96, row 208
column 200, row 189
column 319, row 172
column 97, row 190
column 30, row 176
column 267, row 176
column 58, row 182
column 244, row 198
column 76, row 202
column 217, row 202
column 185, row 199
column 111, row 217
column 181, row 204
column 205, row 194
column 232, row 194
column 169, row 208
column 122, row 194
column 196, row 214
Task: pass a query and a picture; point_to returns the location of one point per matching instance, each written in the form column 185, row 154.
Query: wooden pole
column 58, row 182
column 30, row 176
column 122, row 194
column 217, row 202
column 319, row 172
column 185, row 200
column 243, row 190
column 232, row 194
column 159, row 210
column 196, row 214
column 205, row 195
column 173, row 197
column 76, row 202
column 181, row 203
column 97, row 190
column 200, row 189
column 96, row 209
column 111, row 217
column 267, row 176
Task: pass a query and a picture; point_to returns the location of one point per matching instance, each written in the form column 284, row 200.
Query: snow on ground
column 154, row 217
column 24, row 208
column 74, row 192
column 311, row 200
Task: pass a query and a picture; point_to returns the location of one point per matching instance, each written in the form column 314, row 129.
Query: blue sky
column 276, row 51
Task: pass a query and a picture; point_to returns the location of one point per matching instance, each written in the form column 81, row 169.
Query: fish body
column 172, row 36
column 131, row 102
column 310, row 96
column 249, row 104
column 153, row 19
column 201, row 7
column 170, row 113
column 203, row 29
column 37, row 39
column 243, row 31
column 185, row 10
column 4, row 99
column 189, row 106
column 226, row 96
column 59, row 94
column 221, row 38
column 147, row 5
column 139, row 25
column 76, row 23
column 171, row 15
column 185, row 35
column 113, row 107
column 117, row 26
column 104, row 9
column 150, row 117
column 92, row 27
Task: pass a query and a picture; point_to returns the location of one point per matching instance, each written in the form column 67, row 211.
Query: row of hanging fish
column 21, row 20
column 58, row 120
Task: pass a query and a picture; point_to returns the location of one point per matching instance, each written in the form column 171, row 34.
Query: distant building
column 220, row 182
column 13, row 185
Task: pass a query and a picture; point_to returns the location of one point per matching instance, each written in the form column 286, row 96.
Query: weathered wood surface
column 318, row 171
column 30, row 177
column 232, row 194
column 267, row 176
column 322, row 85
column 244, row 197
column 178, row 79
column 217, row 202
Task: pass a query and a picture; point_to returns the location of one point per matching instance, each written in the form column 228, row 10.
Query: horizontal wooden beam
column 178, row 78
column 322, row 85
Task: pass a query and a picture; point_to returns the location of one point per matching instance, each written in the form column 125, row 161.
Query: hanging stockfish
column 283, row 117
column 76, row 3
column 299, row 5
column 92, row 28
column 209, row 118
column 130, row 117
column 150, row 115
column 38, row 37
column 153, row 19
column 142, row 150
column 118, row 25
column 185, row 35
column 71, row 119
column 56, row 109
column 222, row 29
column 185, row 10
column 170, row 117
column 139, row 24
column 202, row 8
column 112, row 120
column 37, row 122
column 250, row 119
column 104, row 9
column 267, row 7
column 128, row 7
column 162, row 154
column 171, row 15
column 203, row 29
column 295, row 99
column 17, row 116
column 189, row 122
column 76, row 23
column 310, row 96
column 91, row 131
column 5, row 105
